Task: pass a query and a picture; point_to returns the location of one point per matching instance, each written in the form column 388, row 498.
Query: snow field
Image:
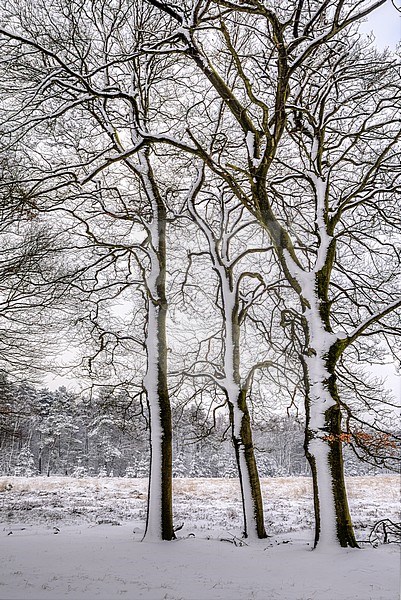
column 92, row 557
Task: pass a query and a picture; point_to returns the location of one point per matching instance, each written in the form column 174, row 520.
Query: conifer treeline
column 45, row 432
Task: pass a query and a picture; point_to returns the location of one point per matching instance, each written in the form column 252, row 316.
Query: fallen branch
column 385, row 531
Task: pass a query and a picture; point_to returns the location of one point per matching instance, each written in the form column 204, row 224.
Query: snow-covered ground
column 97, row 552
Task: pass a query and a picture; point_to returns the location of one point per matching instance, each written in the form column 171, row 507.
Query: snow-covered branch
column 375, row 318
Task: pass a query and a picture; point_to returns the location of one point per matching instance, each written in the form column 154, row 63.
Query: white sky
column 385, row 23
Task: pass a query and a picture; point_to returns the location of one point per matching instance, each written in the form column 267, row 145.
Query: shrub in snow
column 130, row 472
column 142, row 469
column 179, row 466
column 25, row 466
column 79, row 471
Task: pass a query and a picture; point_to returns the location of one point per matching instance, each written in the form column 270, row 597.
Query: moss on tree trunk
column 332, row 436
column 246, row 442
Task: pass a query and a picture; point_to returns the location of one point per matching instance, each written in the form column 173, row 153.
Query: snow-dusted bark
column 236, row 393
column 240, row 418
column 159, row 523
column 159, row 516
column 323, row 444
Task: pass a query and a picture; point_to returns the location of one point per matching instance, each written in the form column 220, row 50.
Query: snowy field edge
column 62, row 537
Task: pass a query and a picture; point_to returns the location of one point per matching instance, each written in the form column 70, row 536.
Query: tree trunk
column 323, row 449
column 159, row 523
column 252, row 502
column 247, row 469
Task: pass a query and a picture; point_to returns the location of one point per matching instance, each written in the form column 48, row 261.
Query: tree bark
column 323, row 449
column 242, row 430
column 248, row 471
column 159, row 523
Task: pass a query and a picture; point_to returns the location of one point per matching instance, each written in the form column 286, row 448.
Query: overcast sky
column 385, row 22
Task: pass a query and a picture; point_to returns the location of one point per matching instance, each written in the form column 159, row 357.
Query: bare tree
column 338, row 191
column 31, row 280
column 235, row 302
column 264, row 54
column 62, row 54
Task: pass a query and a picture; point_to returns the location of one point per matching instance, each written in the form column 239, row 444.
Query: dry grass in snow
column 90, row 557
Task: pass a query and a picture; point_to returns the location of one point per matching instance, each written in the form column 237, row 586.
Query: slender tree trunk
column 241, row 430
column 159, row 523
column 241, row 425
column 247, row 468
